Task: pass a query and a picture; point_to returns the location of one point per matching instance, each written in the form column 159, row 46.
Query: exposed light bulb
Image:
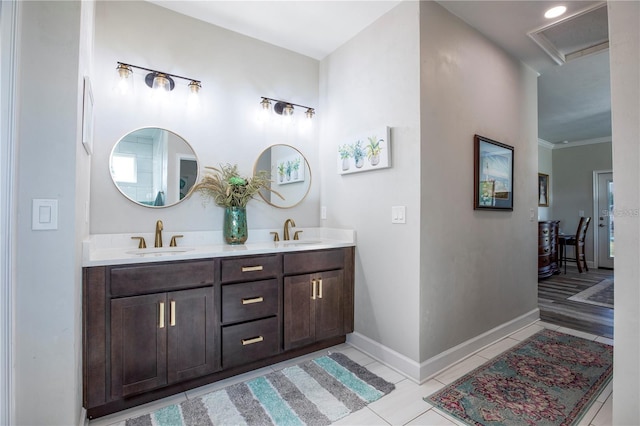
column 124, row 83
column 287, row 114
column 193, row 99
column 161, row 83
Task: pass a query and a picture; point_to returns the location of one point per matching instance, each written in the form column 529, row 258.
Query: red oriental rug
column 549, row 379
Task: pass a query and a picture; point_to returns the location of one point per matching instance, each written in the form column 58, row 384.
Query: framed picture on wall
column 493, row 175
column 543, row 190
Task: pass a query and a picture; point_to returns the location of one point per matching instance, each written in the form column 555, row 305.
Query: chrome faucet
column 158, row 242
column 286, row 228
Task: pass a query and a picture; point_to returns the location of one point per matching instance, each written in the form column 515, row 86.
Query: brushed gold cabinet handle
column 172, row 313
column 320, row 290
column 313, row 289
column 252, row 268
column 252, row 300
column 251, row 341
column 161, row 325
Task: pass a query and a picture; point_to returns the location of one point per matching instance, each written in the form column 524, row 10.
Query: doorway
column 603, row 232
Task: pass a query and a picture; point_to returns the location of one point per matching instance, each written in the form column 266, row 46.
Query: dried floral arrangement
column 227, row 188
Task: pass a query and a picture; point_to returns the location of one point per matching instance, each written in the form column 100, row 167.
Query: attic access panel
column 580, row 34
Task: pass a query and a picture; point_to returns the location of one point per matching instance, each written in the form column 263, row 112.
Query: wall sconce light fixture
column 156, row 80
column 284, row 108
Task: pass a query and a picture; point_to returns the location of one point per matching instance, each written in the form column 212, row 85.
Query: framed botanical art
column 493, row 175
column 543, row 190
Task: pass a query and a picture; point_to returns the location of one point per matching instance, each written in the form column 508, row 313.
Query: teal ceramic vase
column 235, row 225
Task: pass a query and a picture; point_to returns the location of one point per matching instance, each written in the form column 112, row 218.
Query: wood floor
column 554, row 291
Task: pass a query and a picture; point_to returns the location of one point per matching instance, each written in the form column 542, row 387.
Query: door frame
column 594, row 230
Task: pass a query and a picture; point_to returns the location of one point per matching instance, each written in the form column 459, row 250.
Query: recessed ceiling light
column 554, row 12
column 565, row 141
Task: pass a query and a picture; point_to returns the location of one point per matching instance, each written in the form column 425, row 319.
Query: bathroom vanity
column 162, row 323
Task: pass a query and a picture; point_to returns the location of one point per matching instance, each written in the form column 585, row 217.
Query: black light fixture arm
column 288, row 103
column 161, row 72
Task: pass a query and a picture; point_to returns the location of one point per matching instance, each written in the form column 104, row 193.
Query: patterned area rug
column 316, row 392
column 549, row 379
column 600, row 294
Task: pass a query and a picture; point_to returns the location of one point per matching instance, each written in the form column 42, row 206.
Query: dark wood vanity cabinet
column 155, row 329
column 548, row 256
column 160, row 339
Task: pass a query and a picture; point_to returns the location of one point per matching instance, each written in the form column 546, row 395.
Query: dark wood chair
column 577, row 242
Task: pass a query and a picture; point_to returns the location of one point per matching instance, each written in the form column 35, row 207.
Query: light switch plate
column 44, row 215
column 398, row 214
column 323, row 212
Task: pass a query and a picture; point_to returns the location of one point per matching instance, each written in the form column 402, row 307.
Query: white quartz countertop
column 120, row 249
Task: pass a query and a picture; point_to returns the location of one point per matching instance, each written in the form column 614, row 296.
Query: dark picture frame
column 543, row 190
column 493, row 175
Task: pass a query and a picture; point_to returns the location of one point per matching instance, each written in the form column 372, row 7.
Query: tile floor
column 403, row 406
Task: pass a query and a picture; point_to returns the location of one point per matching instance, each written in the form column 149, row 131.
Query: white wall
column 51, row 164
column 545, row 166
column 235, row 71
column 573, row 186
column 624, row 35
column 478, row 268
column 373, row 81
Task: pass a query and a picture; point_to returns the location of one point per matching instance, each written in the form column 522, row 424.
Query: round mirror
column 153, row 167
column 290, row 175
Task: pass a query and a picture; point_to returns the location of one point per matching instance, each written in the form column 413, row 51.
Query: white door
column 604, row 224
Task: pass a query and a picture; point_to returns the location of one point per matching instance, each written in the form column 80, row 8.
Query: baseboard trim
column 421, row 372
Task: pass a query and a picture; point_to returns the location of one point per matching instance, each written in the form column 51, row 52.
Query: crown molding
column 545, row 144
column 583, row 142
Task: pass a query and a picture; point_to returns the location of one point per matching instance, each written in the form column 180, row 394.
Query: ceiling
column 573, row 98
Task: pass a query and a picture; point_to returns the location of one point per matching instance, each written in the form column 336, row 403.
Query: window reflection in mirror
column 290, row 175
column 153, row 167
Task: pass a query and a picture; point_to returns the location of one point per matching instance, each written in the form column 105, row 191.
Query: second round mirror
column 290, row 175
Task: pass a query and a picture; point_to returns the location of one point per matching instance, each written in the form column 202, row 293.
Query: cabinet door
column 329, row 318
column 192, row 344
column 138, row 344
column 299, row 311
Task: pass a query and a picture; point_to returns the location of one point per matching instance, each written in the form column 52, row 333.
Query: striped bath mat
column 317, row 392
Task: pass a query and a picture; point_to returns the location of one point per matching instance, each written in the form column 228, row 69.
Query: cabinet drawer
column 251, row 341
column 145, row 279
column 249, row 268
column 313, row 261
column 247, row 301
column 545, row 250
column 544, row 261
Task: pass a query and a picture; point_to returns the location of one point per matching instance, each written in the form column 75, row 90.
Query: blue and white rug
column 316, row 392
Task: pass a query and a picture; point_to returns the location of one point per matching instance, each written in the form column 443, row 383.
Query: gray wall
column 51, row 164
column 624, row 33
column 572, row 185
column 478, row 268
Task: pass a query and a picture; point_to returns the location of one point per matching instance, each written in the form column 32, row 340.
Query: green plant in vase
column 228, row 189
column 373, row 150
column 295, row 168
column 345, row 153
column 358, row 154
column 281, row 171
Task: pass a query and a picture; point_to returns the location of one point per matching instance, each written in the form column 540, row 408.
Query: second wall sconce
column 284, row 108
column 156, row 80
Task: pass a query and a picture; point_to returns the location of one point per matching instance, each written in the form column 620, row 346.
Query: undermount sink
column 159, row 251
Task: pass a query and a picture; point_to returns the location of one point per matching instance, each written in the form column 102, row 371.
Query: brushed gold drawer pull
column 313, row 289
column 172, row 313
column 252, row 300
column 252, row 268
column 251, row 341
column 161, row 324
column 320, row 290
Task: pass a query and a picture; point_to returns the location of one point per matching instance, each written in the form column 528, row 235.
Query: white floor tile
column 431, row 418
column 362, row 417
column 387, row 373
column 605, row 414
column 212, row 387
column 458, row 370
column 432, row 386
column 121, row 416
column 407, row 395
column 606, row 340
column 300, row 359
column 527, row 332
column 606, row 392
column 548, row 326
column 497, row 348
column 588, row 417
column 357, row 356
